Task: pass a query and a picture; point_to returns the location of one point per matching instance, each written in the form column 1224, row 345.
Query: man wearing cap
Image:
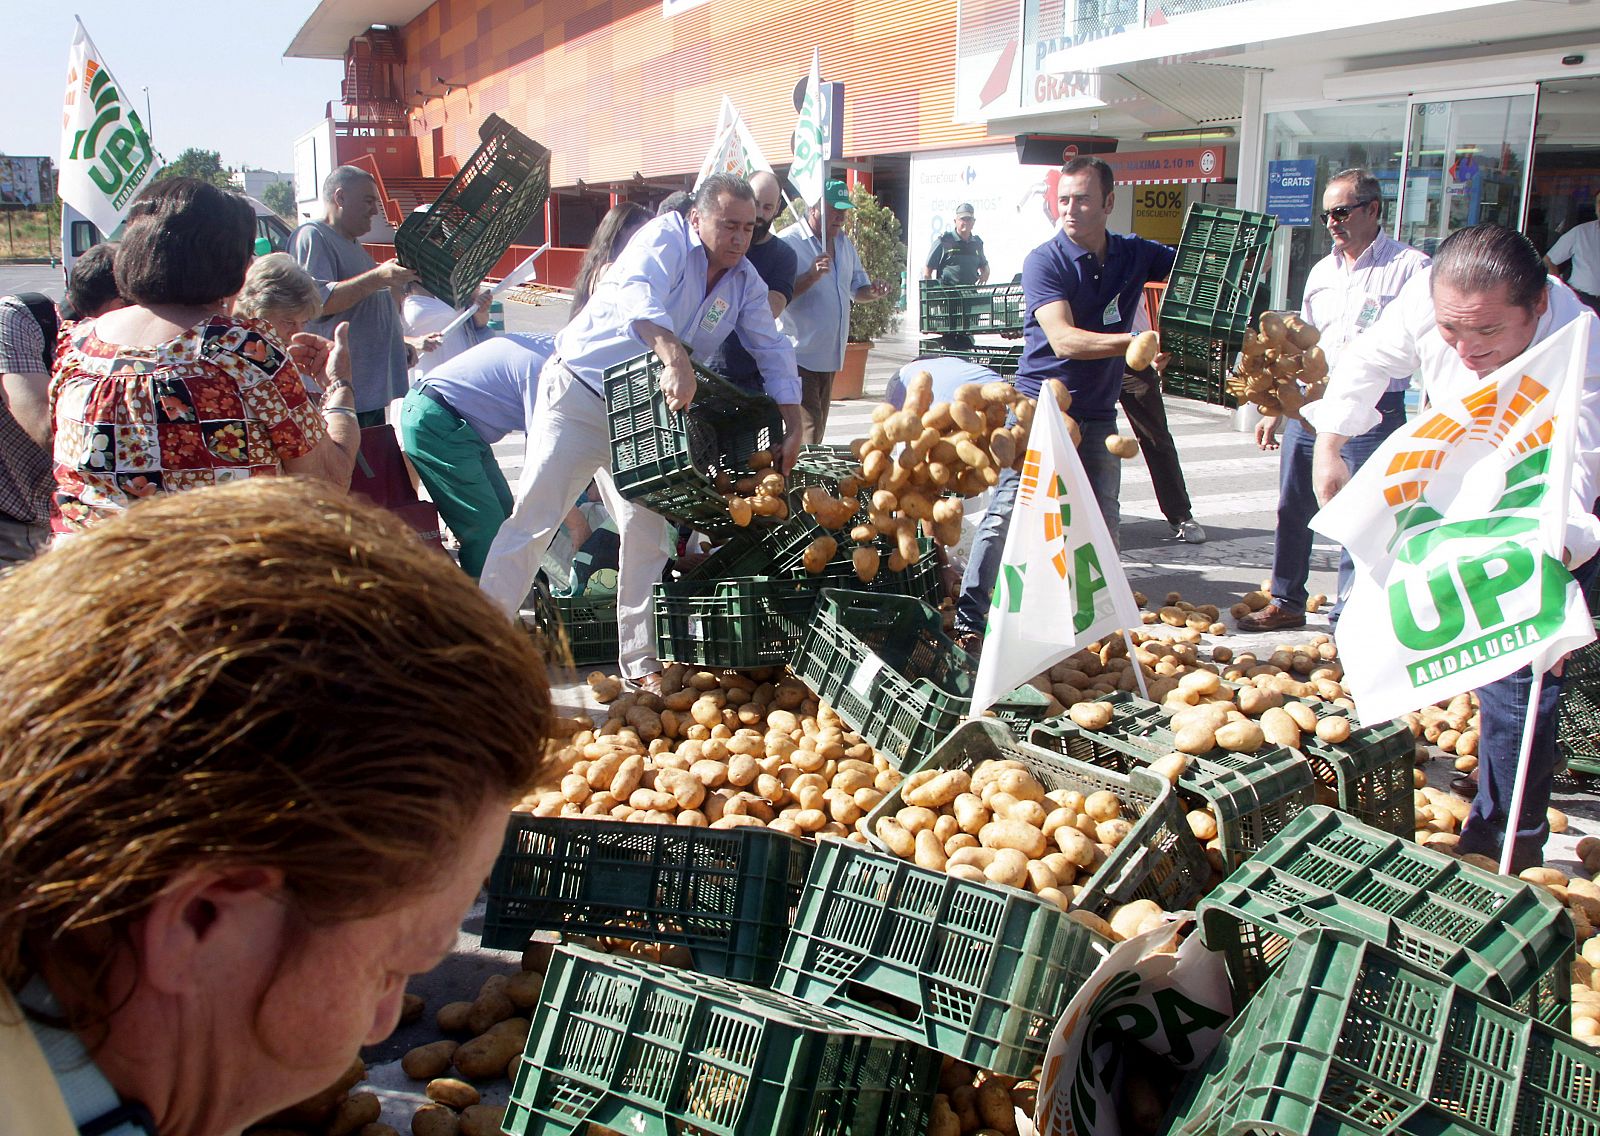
column 957, row 257
column 817, row 320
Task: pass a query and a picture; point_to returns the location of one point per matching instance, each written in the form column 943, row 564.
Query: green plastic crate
column 1200, row 364
column 1507, row 939
column 827, row 466
column 885, row 664
column 778, row 551
column 740, row 623
column 669, row 461
column 455, row 244
column 1253, row 796
column 1578, row 712
column 582, row 628
column 1221, row 257
column 646, row 1050
column 1370, row 772
column 726, row 895
column 975, row 971
column 1159, row 859
column 1002, row 361
column 970, row 308
column 1351, row 1039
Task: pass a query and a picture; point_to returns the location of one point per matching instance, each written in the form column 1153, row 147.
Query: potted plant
column 876, row 233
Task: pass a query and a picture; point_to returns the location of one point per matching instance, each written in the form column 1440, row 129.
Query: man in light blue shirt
column 817, row 320
column 681, row 285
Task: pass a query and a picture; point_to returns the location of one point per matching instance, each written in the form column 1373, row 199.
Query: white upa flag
column 106, row 156
column 811, row 143
column 733, row 151
column 1061, row 583
column 1456, row 527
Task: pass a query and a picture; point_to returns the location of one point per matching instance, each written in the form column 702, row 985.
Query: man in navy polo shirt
column 1080, row 290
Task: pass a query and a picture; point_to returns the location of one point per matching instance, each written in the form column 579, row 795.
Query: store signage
column 1158, row 212
column 1292, row 190
column 1167, row 167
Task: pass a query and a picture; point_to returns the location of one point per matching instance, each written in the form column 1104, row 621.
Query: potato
column 1091, row 715
column 482, row 1120
column 426, row 1062
column 897, row 838
column 484, row 1058
column 819, row 554
column 995, row 1107
column 377, row 1128
column 1112, row 832
column 1013, row 834
column 452, row 1093
column 1334, row 729
column 928, row 851
column 435, row 1120
column 1135, row 918
column 452, row 1017
column 1303, row 716
column 354, row 1112
column 939, row 790
column 739, row 511
column 1195, row 738
column 1202, row 824
column 1241, row 737
column 1075, row 845
column 1009, row 867
column 1279, row 729
column 1172, row 766
column 1142, row 350
column 1121, row 447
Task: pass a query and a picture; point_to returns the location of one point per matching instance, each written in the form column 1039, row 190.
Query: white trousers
column 568, row 445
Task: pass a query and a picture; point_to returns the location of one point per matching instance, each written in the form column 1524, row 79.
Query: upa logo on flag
column 1480, row 586
column 1077, row 566
column 114, row 141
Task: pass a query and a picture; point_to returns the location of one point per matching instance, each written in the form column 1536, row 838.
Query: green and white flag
column 1456, row 526
column 811, row 144
column 106, row 156
column 734, row 151
column 1061, row 583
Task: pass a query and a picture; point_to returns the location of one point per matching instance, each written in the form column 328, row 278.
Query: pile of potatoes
column 764, row 493
column 335, row 1111
column 998, row 824
column 717, row 750
column 1276, row 361
column 1256, row 600
column 977, row 1102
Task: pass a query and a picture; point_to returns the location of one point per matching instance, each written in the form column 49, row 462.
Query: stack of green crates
column 1205, row 309
column 652, row 1051
column 1348, row 1038
column 965, row 309
column 1509, row 940
column 1578, row 714
column 582, row 628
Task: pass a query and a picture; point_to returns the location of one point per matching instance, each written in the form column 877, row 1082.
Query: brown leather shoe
column 1272, row 618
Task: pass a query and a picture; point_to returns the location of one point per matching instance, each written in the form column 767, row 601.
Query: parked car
column 79, row 234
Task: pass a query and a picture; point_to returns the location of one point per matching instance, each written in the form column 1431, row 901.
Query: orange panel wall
column 613, row 87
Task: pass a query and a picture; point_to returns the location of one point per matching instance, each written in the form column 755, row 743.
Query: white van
column 79, row 234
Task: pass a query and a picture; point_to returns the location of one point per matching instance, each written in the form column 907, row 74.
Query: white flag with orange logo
column 1456, row 526
column 1061, row 583
column 734, row 151
column 106, row 156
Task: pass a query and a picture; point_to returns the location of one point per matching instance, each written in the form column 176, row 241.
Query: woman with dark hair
column 169, row 393
column 609, row 239
column 261, row 744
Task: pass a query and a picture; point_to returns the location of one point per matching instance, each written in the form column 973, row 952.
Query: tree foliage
column 876, row 232
column 279, row 197
column 203, row 164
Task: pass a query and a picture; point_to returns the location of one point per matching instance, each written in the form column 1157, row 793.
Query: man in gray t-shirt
column 355, row 289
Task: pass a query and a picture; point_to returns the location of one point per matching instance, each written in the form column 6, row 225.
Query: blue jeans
column 1297, row 503
column 1502, row 706
column 1105, row 478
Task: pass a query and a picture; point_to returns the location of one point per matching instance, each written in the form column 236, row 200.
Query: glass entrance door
column 1466, row 163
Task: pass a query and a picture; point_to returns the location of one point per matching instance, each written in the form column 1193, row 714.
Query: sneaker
column 1189, row 532
column 1272, row 618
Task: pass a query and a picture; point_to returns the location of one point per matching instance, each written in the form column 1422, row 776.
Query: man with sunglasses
column 1345, row 293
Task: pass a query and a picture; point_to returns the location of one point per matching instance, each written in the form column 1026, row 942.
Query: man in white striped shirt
column 1345, row 293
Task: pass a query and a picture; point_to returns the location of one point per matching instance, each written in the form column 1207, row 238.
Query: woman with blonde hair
column 260, row 749
column 277, row 290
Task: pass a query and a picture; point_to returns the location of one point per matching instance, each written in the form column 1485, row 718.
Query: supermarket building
column 1467, row 110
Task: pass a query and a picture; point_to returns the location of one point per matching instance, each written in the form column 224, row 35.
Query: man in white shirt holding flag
column 1472, row 510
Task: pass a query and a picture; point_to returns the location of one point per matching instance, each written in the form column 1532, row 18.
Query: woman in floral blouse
column 170, row 394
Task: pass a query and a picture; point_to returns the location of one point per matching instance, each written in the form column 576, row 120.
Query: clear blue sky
column 216, row 72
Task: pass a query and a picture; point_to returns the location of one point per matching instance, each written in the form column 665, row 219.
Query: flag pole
column 1138, row 674
column 1525, row 754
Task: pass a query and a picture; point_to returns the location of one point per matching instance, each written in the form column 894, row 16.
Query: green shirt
column 957, row 261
